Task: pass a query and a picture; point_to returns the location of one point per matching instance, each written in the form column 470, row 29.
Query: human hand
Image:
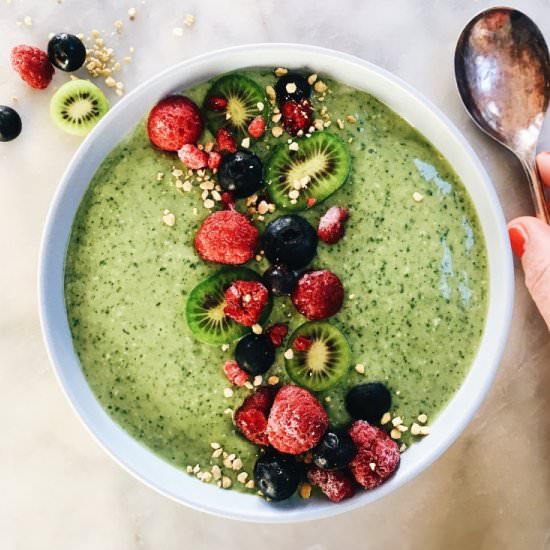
column 530, row 240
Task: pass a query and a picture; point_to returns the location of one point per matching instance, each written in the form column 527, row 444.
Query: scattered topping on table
column 277, row 475
column 297, row 421
column 241, row 173
column 318, row 295
column 245, row 301
column 324, row 362
column 369, row 402
column 77, row 106
column 335, row 451
column 336, row 485
column 297, row 116
column 10, row 123
column 234, row 373
column 251, row 416
column 225, row 140
column 66, row 52
column 193, row 157
column 331, row 225
column 280, row 280
column 292, row 87
column 277, row 333
column 374, row 447
column 174, row 122
column 290, row 240
column 255, row 353
column 32, row 65
column 226, row 237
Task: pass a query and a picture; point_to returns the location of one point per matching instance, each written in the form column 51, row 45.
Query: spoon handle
column 537, row 191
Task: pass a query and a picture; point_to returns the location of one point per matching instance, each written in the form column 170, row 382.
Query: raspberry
column 32, row 65
column 257, row 127
column 251, row 417
column 234, row 373
column 277, row 333
column 301, row 343
column 193, row 157
column 311, row 202
column 214, row 159
column 226, row 237
column 336, row 485
column 297, row 116
column 245, row 301
column 331, row 227
column 225, row 141
column 173, row 122
column 318, row 295
column 297, row 421
column 374, row 446
column 217, row 103
column 228, row 199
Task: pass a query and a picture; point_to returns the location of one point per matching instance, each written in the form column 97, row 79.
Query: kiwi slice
column 244, row 98
column 77, row 106
column 325, row 362
column 204, row 309
column 317, row 169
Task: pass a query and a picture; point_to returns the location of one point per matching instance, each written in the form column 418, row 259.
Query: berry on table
column 10, row 123
column 32, row 65
column 66, row 52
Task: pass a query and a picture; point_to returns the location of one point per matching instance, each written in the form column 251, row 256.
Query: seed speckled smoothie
column 412, row 263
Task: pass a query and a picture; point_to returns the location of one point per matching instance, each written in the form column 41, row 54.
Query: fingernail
column 518, row 238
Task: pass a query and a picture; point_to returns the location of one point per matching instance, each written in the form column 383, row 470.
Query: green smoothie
column 413, row 263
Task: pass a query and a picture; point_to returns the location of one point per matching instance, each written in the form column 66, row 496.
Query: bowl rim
column 205, row 497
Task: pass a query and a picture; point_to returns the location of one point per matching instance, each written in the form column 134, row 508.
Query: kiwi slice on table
column 204, row 309
column 319, row 167
column 77, row 106
column 244, row 99
column 325, row 362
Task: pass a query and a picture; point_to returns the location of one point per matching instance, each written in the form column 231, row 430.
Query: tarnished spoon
column 502, row 70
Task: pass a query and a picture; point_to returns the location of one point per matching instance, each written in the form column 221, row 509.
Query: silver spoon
column 502, row 70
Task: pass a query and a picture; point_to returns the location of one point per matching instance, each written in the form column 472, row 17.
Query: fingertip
column 543, row 165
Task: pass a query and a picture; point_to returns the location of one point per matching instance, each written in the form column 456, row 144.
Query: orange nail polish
column 518, row 238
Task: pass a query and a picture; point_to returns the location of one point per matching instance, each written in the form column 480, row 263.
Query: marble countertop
column 60, row 490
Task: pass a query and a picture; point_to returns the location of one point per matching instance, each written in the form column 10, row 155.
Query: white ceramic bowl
column 119, row 121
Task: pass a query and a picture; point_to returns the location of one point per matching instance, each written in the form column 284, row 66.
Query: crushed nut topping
column 279, row 71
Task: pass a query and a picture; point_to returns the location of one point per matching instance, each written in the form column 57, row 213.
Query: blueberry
column 10, row 123
column 292, row 86
column 255, row 353
column 280, row 280
column 290, row 240
column 368, row 402
column 241, row 173
column 66, row 52
column 335, row 451
column 277, row 475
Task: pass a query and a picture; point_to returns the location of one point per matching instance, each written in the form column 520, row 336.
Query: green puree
column 415, row 275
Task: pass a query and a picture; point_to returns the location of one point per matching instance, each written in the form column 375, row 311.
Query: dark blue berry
column 290, row 240
column 335, row 451
column 10, row 123
column 280, row 280
column 277, row 475
column 66, row 52
column 241, row 173
column 368, row 402
column 255, row 353
column 302, row 88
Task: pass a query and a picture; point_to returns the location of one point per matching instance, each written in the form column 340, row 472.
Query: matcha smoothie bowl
column 276, row 282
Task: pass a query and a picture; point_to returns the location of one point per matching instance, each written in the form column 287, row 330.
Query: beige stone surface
column 490, row 491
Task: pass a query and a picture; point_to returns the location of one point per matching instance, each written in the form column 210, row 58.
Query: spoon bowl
column 502, row 70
